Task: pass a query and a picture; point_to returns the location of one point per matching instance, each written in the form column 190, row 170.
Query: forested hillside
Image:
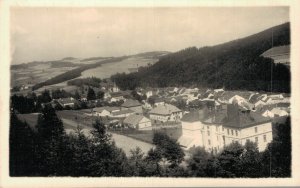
column 234, row 65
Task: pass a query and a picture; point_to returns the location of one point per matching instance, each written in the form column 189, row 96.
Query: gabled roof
column 165, row 109
column 131, row 103
column 244, row 119
column 215, row 117
column 133, row 119
column 194, row 116
column 121, row 112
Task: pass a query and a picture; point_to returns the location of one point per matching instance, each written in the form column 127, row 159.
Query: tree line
column 46, row 150
column 235, row 65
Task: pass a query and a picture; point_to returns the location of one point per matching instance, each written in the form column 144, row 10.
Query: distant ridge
column 234, row 65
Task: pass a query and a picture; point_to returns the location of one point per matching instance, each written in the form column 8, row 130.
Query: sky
column 43, row 34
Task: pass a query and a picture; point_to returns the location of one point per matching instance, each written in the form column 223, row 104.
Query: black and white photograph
column 164, row 92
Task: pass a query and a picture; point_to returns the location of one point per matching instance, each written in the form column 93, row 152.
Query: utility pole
column 272, row 66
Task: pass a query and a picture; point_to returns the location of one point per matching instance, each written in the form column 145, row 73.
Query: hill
column 234, row 65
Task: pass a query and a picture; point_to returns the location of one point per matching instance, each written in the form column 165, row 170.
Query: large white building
column 216, row 128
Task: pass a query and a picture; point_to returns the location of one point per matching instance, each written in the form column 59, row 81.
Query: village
column 209, row 118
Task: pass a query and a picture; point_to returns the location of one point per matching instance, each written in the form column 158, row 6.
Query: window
column 228, row 131
column 207, row 126
column 256, row 139
column 217, row 138
column 223, row 129
column 265, row 138
column 236, row 133
column 208, row 133
column 255, row 129
column 231, row 132
column 208, row 141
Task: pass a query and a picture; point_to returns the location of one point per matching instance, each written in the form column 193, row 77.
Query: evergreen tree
column 91, row 94
column 277, row 157
column 52, row 144
column 21, row 148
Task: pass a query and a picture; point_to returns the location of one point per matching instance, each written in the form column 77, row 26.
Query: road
column 124, row 142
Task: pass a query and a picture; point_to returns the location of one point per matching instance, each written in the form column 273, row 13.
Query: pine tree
column 91, row 94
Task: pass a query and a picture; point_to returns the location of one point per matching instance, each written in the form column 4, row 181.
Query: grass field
column 147, row 136
column 106, row 70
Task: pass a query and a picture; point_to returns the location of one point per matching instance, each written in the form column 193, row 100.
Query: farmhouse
column 165, row 113
column 133, row 105
column 116, row 96
column 138, row 122
column 159, row 101
column 67, row 102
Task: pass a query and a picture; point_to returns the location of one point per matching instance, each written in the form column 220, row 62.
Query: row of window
column 232, row 132
column 256, row 138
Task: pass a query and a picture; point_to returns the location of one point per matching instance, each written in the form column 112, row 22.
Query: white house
column 102, row 112
column 138, row 122
column 278, row 112
column 246, row 125
column 224, row 126
column 166, row 112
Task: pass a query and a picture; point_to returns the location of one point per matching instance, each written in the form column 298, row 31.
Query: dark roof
column 215, row 117
column 246, row 119
column 194, row 116
column 157, row 100
column 277, row 50
column 131, row 103
column 254, row 98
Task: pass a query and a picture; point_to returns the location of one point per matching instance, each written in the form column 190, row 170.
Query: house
column 280, row 54
column 67, row 102
column 279, row 112
column 148, row 92
column 245, row 125
column 268, row 114
column 138, row 122
column 122, row 113
column 116, row 96
column 102, row 111
column 159, row 101
column 166, row 112
column 133, row 105
column 215, row 129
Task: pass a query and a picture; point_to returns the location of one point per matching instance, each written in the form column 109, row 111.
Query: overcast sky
column 41, row 34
